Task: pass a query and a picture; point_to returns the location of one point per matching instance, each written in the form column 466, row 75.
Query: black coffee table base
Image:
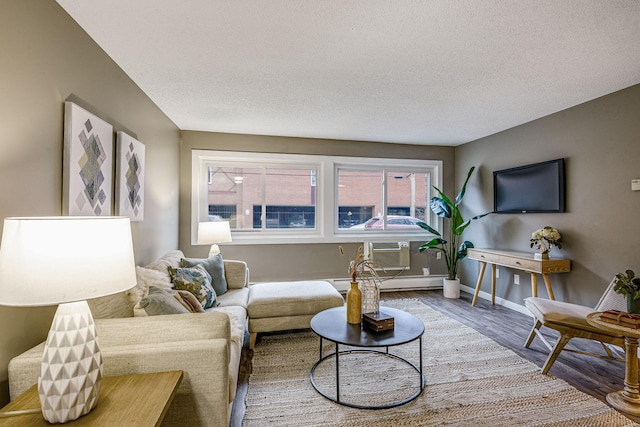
column 386, row 353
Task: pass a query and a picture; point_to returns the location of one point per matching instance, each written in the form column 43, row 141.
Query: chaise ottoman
column 281, row 306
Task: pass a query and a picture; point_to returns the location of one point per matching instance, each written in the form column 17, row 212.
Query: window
column 289, row 198
column 260, row 197
column 365, row 194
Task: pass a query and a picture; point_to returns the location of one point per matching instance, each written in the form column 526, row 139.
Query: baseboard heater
column 405, row 283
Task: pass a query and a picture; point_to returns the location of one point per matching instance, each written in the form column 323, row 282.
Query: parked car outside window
column 393, row 221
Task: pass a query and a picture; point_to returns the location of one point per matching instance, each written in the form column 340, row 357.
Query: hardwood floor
column 594, row 376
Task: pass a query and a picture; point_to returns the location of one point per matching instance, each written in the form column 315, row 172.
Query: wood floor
column 509, row 328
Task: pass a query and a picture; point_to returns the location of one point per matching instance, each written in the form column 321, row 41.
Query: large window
column 296, row 198
column 258, row 197
column 379, row 199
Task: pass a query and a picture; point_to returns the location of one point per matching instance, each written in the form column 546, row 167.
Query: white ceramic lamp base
column 71, row 370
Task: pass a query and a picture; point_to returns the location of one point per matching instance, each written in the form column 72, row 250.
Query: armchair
column 570, row 320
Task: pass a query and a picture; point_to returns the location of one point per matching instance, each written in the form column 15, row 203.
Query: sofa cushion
column 214, row 266
column 160, row 302
column 282, row 299
column 197, row 281
column 235, row 297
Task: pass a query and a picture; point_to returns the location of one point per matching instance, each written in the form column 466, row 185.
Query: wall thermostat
column 635, row 185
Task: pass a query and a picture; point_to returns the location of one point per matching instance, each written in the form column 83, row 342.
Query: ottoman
column 281, row 306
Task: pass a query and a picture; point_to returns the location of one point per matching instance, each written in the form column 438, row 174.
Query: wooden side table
column 518, row 260
column 627, row 400
column 136, row 400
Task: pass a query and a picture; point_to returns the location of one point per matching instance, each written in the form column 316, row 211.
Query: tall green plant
column 452, row 249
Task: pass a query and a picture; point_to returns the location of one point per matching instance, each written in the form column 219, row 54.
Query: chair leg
column 536, row 326
column 562, row 341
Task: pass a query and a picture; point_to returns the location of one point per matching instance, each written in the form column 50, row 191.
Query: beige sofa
column 206, row 346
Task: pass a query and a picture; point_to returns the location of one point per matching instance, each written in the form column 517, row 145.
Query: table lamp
column 66, row 260
column 214, row 232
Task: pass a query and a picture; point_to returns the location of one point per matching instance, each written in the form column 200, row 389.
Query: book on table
column 621, row 318
column 378, row 322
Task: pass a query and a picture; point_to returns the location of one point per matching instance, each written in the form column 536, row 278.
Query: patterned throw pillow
column 197, row 281
column 215, row 268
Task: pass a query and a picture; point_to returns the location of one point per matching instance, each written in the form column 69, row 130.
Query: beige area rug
column 470, row 381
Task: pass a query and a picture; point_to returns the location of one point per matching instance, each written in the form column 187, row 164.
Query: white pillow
column 146, row 277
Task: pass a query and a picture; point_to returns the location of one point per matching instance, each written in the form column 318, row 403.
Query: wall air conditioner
column 388, row 256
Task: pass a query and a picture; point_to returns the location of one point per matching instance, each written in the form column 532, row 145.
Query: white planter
column 451, row 288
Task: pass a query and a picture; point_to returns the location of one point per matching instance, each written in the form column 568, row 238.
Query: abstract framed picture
column 87, row 181
column 129, row 177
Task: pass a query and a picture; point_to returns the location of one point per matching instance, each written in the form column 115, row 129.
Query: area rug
column 470, row 381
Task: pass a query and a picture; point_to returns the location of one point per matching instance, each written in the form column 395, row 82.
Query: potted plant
column 452, row 248
column 628, row 285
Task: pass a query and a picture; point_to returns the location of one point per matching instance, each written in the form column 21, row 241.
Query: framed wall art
column 87, row 182
column 129, row 177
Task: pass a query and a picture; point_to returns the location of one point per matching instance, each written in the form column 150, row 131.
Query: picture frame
column 130, row 171
column 87, row 182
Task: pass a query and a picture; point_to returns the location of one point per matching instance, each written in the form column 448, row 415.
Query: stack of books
column 621, row 318
column 378, row 322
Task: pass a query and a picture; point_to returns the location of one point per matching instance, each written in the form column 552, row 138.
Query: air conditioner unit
column 388, row 256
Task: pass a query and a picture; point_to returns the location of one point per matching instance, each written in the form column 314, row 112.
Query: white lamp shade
column 51, row 260
column 214, row 232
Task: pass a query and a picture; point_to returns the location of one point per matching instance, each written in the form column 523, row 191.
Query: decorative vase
column 451, row 288
column 541, row 255
column 370, row 296
column 633, row 305
column 354, row 304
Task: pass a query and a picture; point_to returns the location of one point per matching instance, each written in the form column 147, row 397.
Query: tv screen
column 532, row 188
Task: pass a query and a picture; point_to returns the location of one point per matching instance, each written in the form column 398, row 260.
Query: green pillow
column 197, row 281
column 215, row 268
column 159, row 302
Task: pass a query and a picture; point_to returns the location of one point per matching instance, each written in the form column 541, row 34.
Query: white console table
column 518, row 260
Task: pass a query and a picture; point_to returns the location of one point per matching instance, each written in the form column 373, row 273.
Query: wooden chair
column 570, row 321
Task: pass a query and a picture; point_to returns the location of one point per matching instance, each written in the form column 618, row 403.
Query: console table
column 137, row 399
column 518, row 260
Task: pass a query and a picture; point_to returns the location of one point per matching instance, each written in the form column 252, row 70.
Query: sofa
column 206, row 346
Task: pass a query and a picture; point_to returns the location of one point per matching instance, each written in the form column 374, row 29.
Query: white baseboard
column 499, row 301
column 407, row 283
column 404, row 283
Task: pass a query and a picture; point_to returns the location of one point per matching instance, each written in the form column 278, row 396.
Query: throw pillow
column 197, row 281
column 189, row 301
column 215, row 268
column 146, row 277
column 160, row 302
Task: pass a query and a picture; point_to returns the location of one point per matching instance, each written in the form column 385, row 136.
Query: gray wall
column 600, row 141
column 46, row 59
column 307, row 261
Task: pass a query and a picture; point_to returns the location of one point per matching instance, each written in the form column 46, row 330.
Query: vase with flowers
column 544, row 239
column 364, row 294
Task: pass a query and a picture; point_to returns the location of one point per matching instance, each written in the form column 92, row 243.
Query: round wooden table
column 627, row 400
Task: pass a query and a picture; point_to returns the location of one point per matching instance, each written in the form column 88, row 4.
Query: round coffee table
column 331, row 325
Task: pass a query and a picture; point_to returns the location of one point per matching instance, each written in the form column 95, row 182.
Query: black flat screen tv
column 534, row 188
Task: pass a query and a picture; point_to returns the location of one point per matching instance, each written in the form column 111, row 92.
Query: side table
column 627, row 400
column 520, row 261
column 136, row 400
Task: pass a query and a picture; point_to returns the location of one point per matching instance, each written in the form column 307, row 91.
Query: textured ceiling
column 439, row 72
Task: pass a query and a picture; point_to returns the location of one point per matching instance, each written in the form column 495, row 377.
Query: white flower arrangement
column 546, row 237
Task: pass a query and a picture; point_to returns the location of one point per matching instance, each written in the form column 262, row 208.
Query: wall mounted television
column 535, row 188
